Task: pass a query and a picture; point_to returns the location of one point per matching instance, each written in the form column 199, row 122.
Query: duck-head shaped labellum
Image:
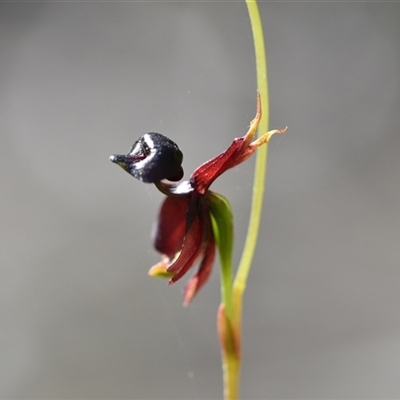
column 152, row 158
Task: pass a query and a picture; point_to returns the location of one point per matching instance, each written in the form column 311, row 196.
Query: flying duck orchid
column 191, row 219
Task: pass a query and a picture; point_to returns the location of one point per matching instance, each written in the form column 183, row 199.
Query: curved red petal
column 170, row 227
column 197, row 281
column 193, row 239
column 205, row 175
column 191, row 251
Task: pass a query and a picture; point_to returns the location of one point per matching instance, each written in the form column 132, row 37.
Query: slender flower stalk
column 229, row 319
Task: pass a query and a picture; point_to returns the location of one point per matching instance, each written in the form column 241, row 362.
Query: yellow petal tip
column 160, row 271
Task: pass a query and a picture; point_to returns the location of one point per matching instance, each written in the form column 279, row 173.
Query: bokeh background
column 80, row 318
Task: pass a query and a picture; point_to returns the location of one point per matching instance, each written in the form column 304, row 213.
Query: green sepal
column 222, row 224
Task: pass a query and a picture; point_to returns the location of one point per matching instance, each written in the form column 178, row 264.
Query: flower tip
column 118, row 159
column 159, row 271
column 191, row 289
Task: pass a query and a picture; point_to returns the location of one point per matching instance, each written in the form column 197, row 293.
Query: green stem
column 230, row 324
column 262, row 152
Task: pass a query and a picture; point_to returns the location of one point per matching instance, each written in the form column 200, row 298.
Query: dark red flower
column 183, row 233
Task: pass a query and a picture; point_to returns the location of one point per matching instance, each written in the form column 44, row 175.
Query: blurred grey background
column 80, row 318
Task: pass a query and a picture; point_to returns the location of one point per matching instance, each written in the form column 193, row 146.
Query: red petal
column 205, row 175
column 200, row 278
column 171, row 225
column 194, row 237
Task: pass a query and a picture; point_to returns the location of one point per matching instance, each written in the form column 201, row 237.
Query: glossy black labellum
column 153, row 157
